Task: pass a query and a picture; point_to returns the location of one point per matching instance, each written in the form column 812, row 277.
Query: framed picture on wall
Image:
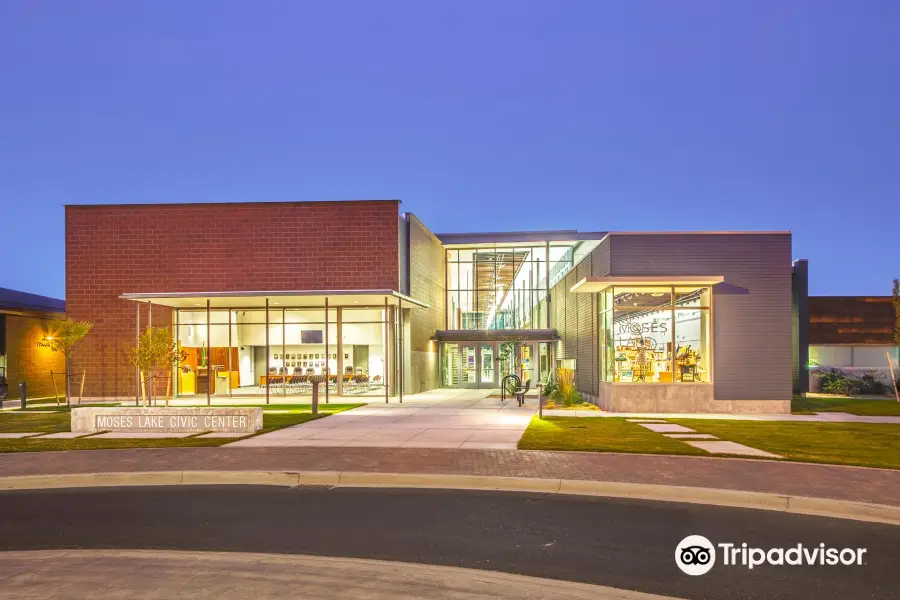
column 346, row 356
column 627, row 377
column 276, row 357
column 317, row 356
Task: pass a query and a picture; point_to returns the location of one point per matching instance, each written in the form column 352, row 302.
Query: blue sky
column 479, row 115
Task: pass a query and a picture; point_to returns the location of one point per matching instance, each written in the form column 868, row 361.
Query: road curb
column 825, row 507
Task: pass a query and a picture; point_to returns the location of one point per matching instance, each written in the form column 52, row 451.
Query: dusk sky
column 480, row 115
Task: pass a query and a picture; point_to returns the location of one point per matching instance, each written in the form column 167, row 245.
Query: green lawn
column 859, row 444
column 51, row 421
column 855, row 406
column 600, row 434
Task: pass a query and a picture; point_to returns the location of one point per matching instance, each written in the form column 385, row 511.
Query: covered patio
column 276, row 346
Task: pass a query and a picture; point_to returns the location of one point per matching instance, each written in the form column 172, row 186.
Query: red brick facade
column 115, row 249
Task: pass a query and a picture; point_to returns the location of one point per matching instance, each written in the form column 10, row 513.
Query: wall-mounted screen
column 311, row 336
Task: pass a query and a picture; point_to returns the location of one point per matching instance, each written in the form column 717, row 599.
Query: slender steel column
column 176, row 369
column 386, row 349
column 268, row 377
column 327, row 355
column 149, row 325
column 340, row 351
column 402, row 353
column 137, row 371
column 230, row 391
column 283, row 350
column 210, row 379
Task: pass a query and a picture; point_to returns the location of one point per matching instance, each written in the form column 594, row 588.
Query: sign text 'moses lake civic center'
column 169, row 420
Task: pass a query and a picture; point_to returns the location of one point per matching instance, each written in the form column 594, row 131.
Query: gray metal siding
column 574, row 318
column 752, row 340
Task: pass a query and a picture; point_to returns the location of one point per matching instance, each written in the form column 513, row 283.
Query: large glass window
column 504, row 287
column 655, row 334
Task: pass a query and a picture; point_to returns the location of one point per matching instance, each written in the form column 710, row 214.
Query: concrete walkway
column 704, row 441
column 443, row 418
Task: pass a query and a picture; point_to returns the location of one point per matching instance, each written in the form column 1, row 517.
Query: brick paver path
column 880, row 486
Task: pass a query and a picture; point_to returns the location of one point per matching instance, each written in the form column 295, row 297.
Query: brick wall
column 27, row 361
column 426, row 268
column 281, row 246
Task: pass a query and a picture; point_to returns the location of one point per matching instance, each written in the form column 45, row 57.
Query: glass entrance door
column 487, row 366
column 469, row 366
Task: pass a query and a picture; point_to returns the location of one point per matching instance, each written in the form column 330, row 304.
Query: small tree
column 155, row 351
column 63, row 335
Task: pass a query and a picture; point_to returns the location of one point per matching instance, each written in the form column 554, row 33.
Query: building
column 23, row 323
column 853, row 334
column 265, row 298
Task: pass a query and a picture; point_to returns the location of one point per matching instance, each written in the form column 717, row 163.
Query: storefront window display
column 657, row 334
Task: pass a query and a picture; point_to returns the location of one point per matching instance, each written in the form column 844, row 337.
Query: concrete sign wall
column 166, row 420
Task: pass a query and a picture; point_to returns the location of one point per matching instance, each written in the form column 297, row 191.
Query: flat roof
column 501, row 237
column 277, row 299
column 15, row 300
column 230, row 203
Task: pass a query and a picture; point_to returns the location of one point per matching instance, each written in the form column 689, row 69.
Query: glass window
column 685, row 296
column 643, row 346
column 692, row 346
column 644, row 339
column 642, row 296
column 501, row 287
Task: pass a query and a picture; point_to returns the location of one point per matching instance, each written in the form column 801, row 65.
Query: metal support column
column 387, row 323
column 401, row 352
column 137, row 371
column 230, row 391
column 268, row 376
column 150, row 386
column 210, row 377
column 327, row 355
column 340, row 351
column 284, row 372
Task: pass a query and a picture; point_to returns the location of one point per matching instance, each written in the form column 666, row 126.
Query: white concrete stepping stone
column 691, row 436
column 723, row 447
column 666, row 428
column 223, row 434
column 12, row 436
column 125, row 435
column 62, row 435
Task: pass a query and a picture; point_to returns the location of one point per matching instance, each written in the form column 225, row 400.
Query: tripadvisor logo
column 696, row 555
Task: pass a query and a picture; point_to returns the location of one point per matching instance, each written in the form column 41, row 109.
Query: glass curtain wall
column 657, row 334
column 236, row 354
column 503, row 287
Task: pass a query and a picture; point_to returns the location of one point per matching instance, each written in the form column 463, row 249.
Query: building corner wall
column 426, row 283
column 26, row 361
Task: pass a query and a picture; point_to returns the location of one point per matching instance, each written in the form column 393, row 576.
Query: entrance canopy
column 497, row 335
column 255, row 299
column 590, row 285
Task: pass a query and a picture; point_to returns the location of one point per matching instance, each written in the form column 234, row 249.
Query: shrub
column 564, row 391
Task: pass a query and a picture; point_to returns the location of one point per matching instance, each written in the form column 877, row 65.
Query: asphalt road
column 625, row 544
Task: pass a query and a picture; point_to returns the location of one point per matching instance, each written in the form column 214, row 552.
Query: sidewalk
column 879, row 486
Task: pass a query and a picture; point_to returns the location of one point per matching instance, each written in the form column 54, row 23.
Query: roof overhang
column 590, row 285
column 279, row 299
column 497, row 335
